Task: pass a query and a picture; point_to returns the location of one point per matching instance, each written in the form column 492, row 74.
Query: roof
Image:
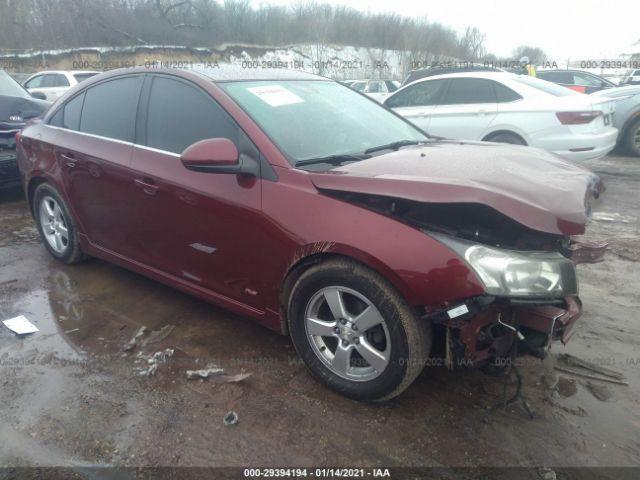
column 228, row 73
column 474, row 74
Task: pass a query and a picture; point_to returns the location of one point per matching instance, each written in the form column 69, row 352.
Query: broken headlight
column 517, row 274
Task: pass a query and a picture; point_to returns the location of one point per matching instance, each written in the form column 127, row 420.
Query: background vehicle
column 189, row 178
column 54, row 83
column 509, row 108
column 627, row 116
column 16, row 107
column 583, row 82
column 443, row 70
column 376, row 89
column 632, row 78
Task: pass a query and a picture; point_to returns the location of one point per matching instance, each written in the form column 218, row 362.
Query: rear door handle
column 147, row 186
column 69, row 159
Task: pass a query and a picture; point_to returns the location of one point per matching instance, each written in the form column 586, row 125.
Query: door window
column 557, row 77
column 504, row 94
column 68, row 116
column 586, row 80
column 391, row 86
column 376, row 87
column 417, row 95
column 35, row 82
column 110, row 108
column 55, row 80
column 180, row 115
column 469, row 91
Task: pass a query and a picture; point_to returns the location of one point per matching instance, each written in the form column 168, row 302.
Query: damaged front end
column 531, row 286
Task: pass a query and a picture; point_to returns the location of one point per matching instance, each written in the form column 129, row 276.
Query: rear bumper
column 9, row 172
column 588, row 146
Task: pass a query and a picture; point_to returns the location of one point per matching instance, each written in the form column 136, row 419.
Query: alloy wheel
column 348, row 333
column 54, row 226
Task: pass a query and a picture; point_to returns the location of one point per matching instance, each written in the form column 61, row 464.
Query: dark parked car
column 294, row 200
column 16, row 107
column 583, row 82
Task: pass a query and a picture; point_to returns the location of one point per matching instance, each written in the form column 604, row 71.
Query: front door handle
column 69, row 159
column 147, row 186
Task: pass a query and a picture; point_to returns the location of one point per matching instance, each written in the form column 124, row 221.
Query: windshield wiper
column 333, row 159
column 392, row 146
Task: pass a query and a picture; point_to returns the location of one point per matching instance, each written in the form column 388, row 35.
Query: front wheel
column 354, row 331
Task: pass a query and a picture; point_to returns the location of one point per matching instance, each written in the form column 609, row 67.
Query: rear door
column 93, row 149
column 466, row 111
column 416, row 102
column 200, row 227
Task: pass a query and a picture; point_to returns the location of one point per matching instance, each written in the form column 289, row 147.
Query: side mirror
column 38, row 95
column 213, row 155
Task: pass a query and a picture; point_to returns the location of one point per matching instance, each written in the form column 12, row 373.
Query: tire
column 56, row 225
column 395, row 343
column 506, row 137
column 632, row 138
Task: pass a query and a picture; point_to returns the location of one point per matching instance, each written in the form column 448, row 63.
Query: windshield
column 316, row 119
column 11, row 88
column 548, row 87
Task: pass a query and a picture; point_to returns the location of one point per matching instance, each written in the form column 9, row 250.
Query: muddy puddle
column 71, row 395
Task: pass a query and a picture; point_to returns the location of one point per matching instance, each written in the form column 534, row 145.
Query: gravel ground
column 70, row 396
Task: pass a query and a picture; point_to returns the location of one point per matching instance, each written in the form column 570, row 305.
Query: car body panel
column 54, row 83
column 627, row 99
column 532, row 117
column 471, row 172
column 580, row 81
column 235, row 239
column 15, row 111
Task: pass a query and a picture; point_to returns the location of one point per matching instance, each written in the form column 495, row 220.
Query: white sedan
column 53, row 84
column 376, row 89
column 509, row 108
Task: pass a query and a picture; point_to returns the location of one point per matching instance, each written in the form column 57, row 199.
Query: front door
column 204, row 228
column 416, row 102
column 466, row 111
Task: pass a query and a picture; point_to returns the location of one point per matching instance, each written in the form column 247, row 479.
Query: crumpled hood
column 529, row 185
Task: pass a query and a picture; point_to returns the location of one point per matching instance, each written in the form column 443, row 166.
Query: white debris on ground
column 20, row 325
column 152, row 361
column 204, row 373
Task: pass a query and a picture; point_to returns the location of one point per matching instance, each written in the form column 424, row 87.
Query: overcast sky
column 575, row 29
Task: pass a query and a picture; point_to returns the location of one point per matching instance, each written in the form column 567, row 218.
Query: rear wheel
column 632, row 138
column 56, row 225
column 506, row 137
column 355, row 333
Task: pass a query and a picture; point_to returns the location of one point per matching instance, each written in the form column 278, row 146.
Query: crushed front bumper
column 491, row 326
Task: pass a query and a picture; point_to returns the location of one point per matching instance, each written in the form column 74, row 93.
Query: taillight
column 577, row 118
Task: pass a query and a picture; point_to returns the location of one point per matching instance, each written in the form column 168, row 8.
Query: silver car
column 627, row 116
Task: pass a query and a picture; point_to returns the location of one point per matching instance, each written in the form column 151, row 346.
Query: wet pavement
column 70, row 396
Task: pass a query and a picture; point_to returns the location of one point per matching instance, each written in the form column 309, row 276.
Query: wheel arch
column 309, row 255
column 634, row 117
column 493, row 133
column 33, row 184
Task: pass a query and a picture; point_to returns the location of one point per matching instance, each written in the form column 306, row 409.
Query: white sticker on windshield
column 275, row 95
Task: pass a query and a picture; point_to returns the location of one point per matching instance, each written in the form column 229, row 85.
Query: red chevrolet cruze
column 294, row 200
